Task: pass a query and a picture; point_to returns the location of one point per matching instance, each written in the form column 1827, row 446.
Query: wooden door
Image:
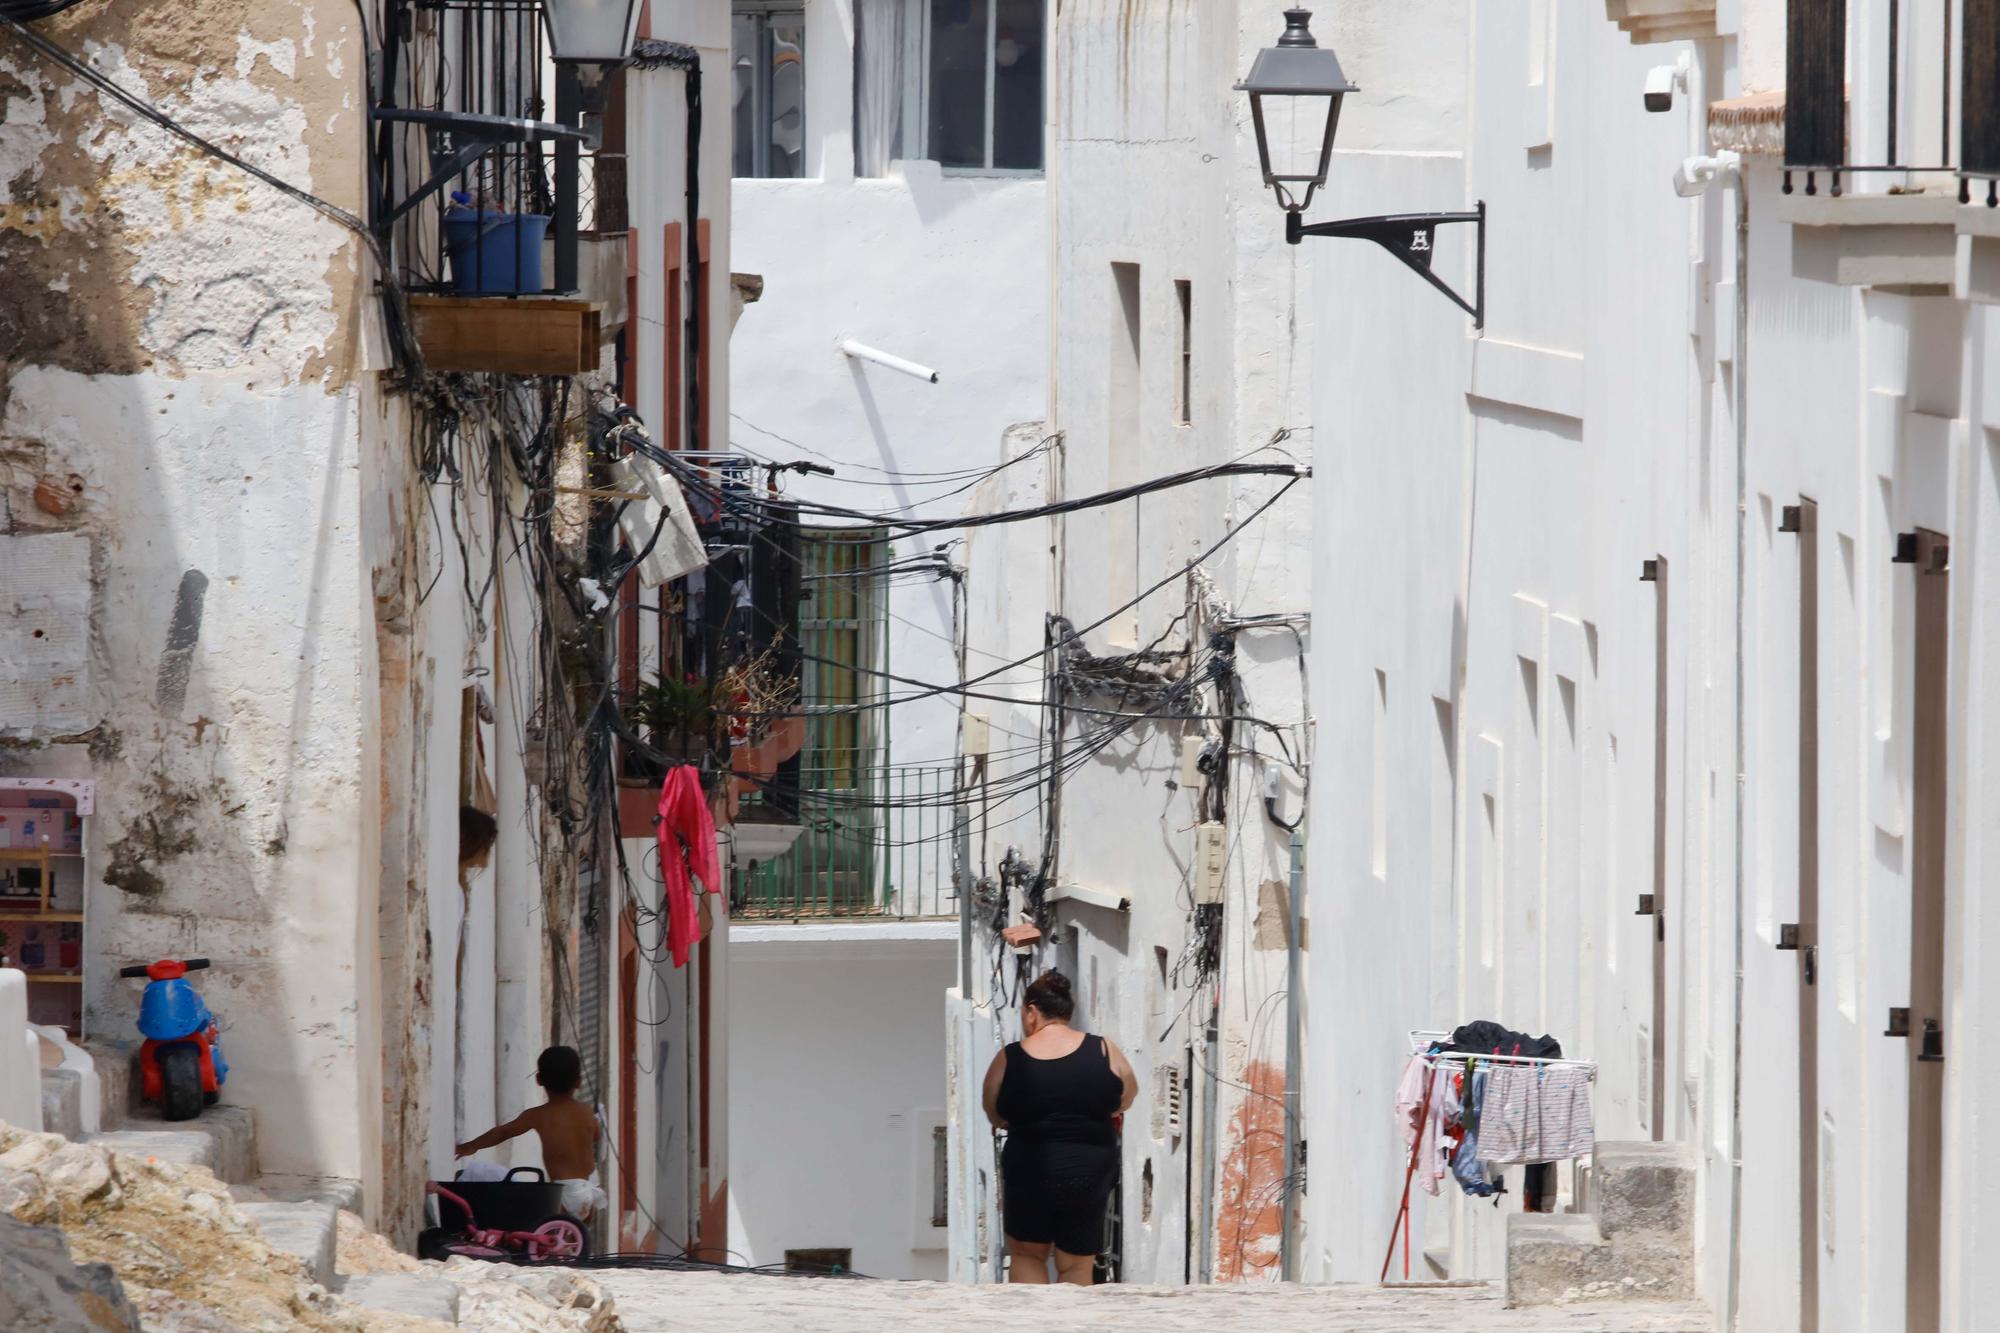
column 1804, row 934
column 1655, row 903
column 1924, row 1023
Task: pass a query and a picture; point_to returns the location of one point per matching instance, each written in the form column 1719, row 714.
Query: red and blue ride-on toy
column 180, row 1063
column 524, row 1221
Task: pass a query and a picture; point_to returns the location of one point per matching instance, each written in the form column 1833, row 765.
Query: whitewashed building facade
column 1120, row 800
column 884, row 204
column 1662, row 604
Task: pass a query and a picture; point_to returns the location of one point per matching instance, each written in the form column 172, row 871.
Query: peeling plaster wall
column 181, row 354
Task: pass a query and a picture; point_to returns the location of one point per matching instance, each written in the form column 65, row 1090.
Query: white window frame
column 918, row 91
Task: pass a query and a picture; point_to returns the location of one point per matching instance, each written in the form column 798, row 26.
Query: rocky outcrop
column 117, row 1239
column 41, row 1287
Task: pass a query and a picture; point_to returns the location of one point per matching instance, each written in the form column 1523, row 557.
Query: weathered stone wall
column 184, row 379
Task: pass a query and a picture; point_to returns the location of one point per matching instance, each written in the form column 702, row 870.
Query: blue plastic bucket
column 494, row 254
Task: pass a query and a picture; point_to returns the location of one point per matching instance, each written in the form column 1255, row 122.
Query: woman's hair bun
column 1052, row 994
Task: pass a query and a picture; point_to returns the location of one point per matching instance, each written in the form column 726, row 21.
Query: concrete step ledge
column 415, row 1295
column 1565, row 1259
column 276, row 1187
column 305, row 1230
column 1646, row 1192
column 221, row 1138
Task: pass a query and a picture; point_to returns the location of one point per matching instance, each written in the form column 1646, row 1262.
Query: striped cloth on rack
column 1534, row 1113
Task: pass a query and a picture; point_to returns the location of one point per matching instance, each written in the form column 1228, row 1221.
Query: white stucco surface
column 1501, row 492
column 836, row 1081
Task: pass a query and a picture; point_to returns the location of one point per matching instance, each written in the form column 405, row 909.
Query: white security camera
column 1663, row 81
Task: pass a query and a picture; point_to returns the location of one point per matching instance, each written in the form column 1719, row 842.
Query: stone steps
column 222, row 1138
column 416, row 1295
column 1638, row 1246
column 306, row 1230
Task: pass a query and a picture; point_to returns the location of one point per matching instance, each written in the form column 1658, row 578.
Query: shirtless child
column 567, row 1128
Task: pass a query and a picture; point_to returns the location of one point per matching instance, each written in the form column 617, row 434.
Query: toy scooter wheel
column 560, row 1240
column 210, row 1098
column 180, row 1083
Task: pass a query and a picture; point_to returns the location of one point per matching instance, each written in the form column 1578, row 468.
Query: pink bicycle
column 557, row 1240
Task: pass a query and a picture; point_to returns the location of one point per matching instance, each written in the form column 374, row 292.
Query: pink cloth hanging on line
column 686, row 832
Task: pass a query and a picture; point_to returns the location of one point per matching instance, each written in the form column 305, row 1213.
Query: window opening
column 819, row 1261
column 842, row 864
column 940, row 1177
column 767, row 52
column 1184, row 294
column 985, row 67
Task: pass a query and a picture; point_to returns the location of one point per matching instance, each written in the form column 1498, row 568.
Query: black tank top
column 1069, row 1099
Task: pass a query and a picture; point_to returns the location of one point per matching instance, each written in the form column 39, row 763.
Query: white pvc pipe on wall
column 863, row 352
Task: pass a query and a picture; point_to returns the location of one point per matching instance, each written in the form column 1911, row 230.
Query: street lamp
column 593, row 32
column 587, row 39
column 1298, row 68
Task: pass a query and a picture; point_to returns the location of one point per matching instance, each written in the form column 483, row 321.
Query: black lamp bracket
column 458, row 139
column 1412, row 238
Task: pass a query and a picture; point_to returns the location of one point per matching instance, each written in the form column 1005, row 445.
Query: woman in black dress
column 1057, row 1093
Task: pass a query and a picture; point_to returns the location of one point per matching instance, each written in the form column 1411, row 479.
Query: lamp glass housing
column 1295, row 92
column 591, row 31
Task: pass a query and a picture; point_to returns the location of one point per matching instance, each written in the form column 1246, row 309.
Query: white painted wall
column 1154, row 170
column 1500, row 493
column 949, row 270
column 836, row 1082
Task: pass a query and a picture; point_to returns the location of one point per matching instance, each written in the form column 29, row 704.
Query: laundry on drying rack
column 1420, row 1112
column 1534, row 1113
column 1517, row 1102
column 1474, row 1175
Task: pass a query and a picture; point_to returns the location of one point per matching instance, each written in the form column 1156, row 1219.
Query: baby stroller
column 508, row 1221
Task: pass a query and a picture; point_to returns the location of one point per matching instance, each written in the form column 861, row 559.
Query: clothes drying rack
column 1421, row 1040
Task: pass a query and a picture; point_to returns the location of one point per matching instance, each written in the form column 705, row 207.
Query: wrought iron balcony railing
column 876, row 844
column 1910, row 121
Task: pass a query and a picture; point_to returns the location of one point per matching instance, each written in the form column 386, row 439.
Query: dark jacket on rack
column 1485, row 1037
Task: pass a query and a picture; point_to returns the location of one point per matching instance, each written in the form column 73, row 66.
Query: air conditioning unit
column 1211, row 861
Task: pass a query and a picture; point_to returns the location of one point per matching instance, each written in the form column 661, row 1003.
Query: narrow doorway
column 1923, row 1023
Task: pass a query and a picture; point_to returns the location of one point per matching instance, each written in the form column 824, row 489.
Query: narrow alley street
column 650, row 1302
column 711, row 646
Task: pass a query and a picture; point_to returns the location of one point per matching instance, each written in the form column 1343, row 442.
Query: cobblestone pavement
column 723, row 1303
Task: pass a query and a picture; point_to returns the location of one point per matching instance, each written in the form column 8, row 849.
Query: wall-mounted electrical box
column 978, row 735
column 1191, row 745
column 1211, row 861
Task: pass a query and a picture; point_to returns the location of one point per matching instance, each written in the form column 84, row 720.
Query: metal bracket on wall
column 1899, row 1023
column 1412, row 238
column 1649, row 571
column 1790, row 518
column 1933, row 1047
column 1788, row 936
column 1645, row 905
column 1906, row 549
column 457, row 139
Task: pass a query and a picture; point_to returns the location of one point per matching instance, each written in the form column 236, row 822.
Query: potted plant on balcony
column 680, row 716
